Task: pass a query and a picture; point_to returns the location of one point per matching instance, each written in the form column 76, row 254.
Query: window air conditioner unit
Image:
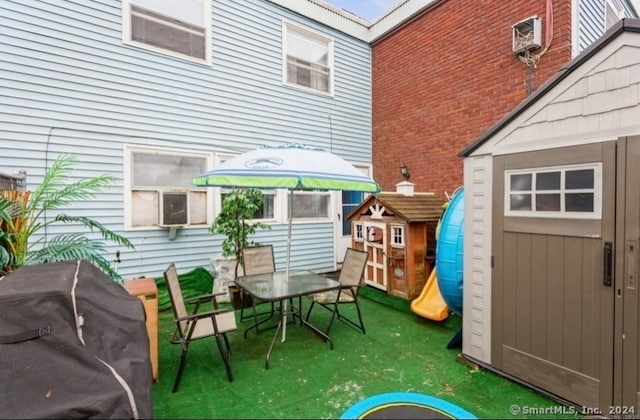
column 527, row 35
column 172, row 209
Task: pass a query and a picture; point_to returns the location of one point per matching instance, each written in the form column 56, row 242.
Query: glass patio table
column 277, row 287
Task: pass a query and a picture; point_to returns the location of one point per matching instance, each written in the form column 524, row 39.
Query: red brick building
column 449, row 73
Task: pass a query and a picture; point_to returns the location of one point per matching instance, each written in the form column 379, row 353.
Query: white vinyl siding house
column 591, row 18
column 78, row 77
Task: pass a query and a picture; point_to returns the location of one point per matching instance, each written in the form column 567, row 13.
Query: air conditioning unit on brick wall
column 527, row 35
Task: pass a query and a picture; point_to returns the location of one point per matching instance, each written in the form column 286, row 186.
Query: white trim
column 574, row 28
column 562, row 214
column 616, row 7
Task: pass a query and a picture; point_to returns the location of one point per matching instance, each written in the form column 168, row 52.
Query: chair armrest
column 202, row 298
column 199, row 315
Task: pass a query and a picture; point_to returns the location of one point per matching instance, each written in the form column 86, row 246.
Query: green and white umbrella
column 292, row 166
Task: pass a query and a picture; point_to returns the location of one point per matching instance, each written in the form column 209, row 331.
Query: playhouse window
column 571, row 191
column 397, row 235
column 358, row 233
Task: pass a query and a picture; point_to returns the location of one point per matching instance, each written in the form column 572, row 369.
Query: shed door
column 552, row 315
column 627, row 370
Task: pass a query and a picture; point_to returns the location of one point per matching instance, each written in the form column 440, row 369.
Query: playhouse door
column 554, row 270
column 375, row 243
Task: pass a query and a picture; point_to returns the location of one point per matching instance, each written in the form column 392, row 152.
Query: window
column 178, row 27
column 161, row 190
column 613, row 12
column 267, row 211
column 311, row 205
column 358, row 235
column 397, row 236
column 568, row 192
column 308, row 59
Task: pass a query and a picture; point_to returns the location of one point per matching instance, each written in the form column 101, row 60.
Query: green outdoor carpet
column 401, row 352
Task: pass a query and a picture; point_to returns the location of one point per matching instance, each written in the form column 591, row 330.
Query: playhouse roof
column 419, row 207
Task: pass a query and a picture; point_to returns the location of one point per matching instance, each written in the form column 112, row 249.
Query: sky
column 366, row 9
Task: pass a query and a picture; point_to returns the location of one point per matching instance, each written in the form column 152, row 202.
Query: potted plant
column 236, row 222
column 24, row 220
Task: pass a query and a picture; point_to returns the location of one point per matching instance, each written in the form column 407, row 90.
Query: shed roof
column 419, row 207
column 624, row 25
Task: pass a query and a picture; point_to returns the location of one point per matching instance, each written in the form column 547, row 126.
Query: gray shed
column 552, row 231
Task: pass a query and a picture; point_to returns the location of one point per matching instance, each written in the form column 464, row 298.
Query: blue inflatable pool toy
column 405, row 405
column 449, row 253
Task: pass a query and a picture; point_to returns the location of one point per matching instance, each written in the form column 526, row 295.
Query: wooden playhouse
column 397, row 230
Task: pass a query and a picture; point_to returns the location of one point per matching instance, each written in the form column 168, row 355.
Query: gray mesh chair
column 211, row 323
column 350, row 279
column 257, row 260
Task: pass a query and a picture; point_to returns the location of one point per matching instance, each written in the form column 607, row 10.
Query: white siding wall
column 69, row 84
column 589, row 22
column 476, row 321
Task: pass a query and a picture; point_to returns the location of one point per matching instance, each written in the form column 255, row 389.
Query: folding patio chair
column 211, row 323
column 257, row 260
column 350, row 279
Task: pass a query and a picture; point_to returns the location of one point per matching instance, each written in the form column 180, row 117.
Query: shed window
column 572, row 191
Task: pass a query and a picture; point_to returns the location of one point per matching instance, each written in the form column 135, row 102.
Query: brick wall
column 446, row 77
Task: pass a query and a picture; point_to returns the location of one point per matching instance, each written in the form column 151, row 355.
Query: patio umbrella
column 292, row 166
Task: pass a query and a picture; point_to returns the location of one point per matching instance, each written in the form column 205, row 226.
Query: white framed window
column 159, row 190
column 267, row 211
column 307, row 59
column 613, row 12
column 311, row 205
column 180, row 28
column 397, row 235
column 358, row 234
column 570, row 192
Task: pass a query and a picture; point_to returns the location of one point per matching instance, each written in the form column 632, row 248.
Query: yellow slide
column 430, row 304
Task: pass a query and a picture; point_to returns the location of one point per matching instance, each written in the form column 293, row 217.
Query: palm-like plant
column 238, row 207
column 20, row 220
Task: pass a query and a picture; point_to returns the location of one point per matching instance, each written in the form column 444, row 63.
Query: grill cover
column 73, row 344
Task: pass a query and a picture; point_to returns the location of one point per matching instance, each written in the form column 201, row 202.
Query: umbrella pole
column 284, row 326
